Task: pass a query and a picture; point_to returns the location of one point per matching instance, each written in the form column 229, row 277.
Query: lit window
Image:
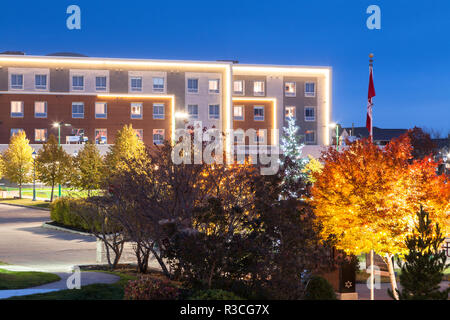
column 158, row 111
column 16, row 81
column 100, row 83
column 136, row 110
column 238, row 112
column 192, row 85
column 258, row 112
column 40, row 109
column 289, row 89
column 258, row 88
column 310, row 89
column 139, row 134
column 260, row 136
column 214, row 111
column 158, row 84
column 40, row 135
column 238, row 87
column 290, row 113
column 77, row 110
column 77, row 83
column 310, row 114
column 15, row 131
column 239, row 136
column 77, row 132
column 136, row 83
column 213, row 86
column 193, row 111
column 101, row 136
column 310, row 137
column 100, row 110
column 16, row 109
column 158, row 136
column 40, row 81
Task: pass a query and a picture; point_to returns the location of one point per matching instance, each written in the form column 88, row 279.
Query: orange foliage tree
column 367, row 197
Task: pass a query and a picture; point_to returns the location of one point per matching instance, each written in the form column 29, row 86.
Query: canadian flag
column 370, row 103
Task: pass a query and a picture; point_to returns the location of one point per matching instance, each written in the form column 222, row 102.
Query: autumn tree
column 18, row 160
column 422, row 144
column 53, row 164
column 89, row 169
column 127, row 145
column 367, row 197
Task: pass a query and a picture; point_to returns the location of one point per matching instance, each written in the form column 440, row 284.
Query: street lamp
column 58, row 125
column 332, row 126
column 34, row 174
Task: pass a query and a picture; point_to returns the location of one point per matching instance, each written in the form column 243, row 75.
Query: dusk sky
column 412, row 50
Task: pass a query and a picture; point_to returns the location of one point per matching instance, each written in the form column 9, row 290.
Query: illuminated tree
column 18, row 160
column 89, row 168
column 313, row 166
column 367, row 197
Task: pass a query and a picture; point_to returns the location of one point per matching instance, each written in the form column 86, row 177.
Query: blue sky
column 412, row 52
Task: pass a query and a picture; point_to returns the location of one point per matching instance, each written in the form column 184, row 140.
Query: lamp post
column 58, row 125
column 34, row 174
column 335, row 126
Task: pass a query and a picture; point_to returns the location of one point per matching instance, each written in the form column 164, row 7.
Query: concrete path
column 381, row 294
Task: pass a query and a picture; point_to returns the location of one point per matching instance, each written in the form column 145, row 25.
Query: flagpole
column 371, row 120
column 372, row 271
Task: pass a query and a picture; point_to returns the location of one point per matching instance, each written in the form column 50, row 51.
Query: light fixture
column 181, row 115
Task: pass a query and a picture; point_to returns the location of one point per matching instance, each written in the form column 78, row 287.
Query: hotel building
column 94, row 97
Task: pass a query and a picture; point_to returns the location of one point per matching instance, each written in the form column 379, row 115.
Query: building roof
column 379, row 134
column 442, row 143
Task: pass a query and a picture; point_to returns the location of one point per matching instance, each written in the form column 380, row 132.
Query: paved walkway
column 381, row 294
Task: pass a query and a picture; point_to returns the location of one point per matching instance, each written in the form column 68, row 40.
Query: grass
column 27, row 202
column 45, row 192
column 20, row 280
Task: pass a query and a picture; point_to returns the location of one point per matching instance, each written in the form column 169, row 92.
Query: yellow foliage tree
column 18, row 160
column 313, row 166
column 367, row 197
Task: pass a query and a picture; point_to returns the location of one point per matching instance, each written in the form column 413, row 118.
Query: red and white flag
column 369, row 124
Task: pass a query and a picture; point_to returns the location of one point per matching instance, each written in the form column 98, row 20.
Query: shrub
column 214, row 294
column 319, row 288
column 147, row 288
column 63, row 211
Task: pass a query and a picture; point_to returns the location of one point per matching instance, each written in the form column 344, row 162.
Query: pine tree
column 53, row 164
column 292, row 160
column 18, row 160
column 88, row 169
column 424, row 265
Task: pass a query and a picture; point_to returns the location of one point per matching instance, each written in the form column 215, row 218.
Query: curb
column 49, row 226
column 24, row 206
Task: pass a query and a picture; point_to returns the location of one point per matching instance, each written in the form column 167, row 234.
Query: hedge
column 64, row 211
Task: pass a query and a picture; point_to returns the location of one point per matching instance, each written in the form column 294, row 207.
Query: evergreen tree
column 292, row 161
column 88, row 169
column 18, row 160
column 53, row 164
column 424, row 265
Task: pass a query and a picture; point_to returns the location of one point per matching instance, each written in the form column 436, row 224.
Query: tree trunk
column 20, row 191
column 161, row 263
column 51, row 195
column 390, row 265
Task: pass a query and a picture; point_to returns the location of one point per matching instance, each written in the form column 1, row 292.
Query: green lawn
column 45, row 192
column 20, row 280
column 90, row 292
column 27, row 202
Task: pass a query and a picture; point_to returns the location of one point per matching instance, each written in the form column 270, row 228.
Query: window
column 77, row 110
column 136, row 110
column 193, row 111
column 15, row 131
column 259, row 137
column 310, row 114
column 310, row 137
column 77, row 132
column 158, row 84
column 139, row 134
column 136, row 83
column 16, row 109
column 40, row 81
column 258, row 113
column 290, row 113
column 258, row 88
column 213, row 85
column 289, row 89
column 40, row 135
column 40, row 109
column 158, row 111
column 310, row 89
column 100, row 110
column 77, row 83
column 238, row 87
column 239, row 136
column 101, row 136
column 100, row 83
column 238, row 112
column 192, row 85
column 17, row 81
column 214, row 111
column 158, row 136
